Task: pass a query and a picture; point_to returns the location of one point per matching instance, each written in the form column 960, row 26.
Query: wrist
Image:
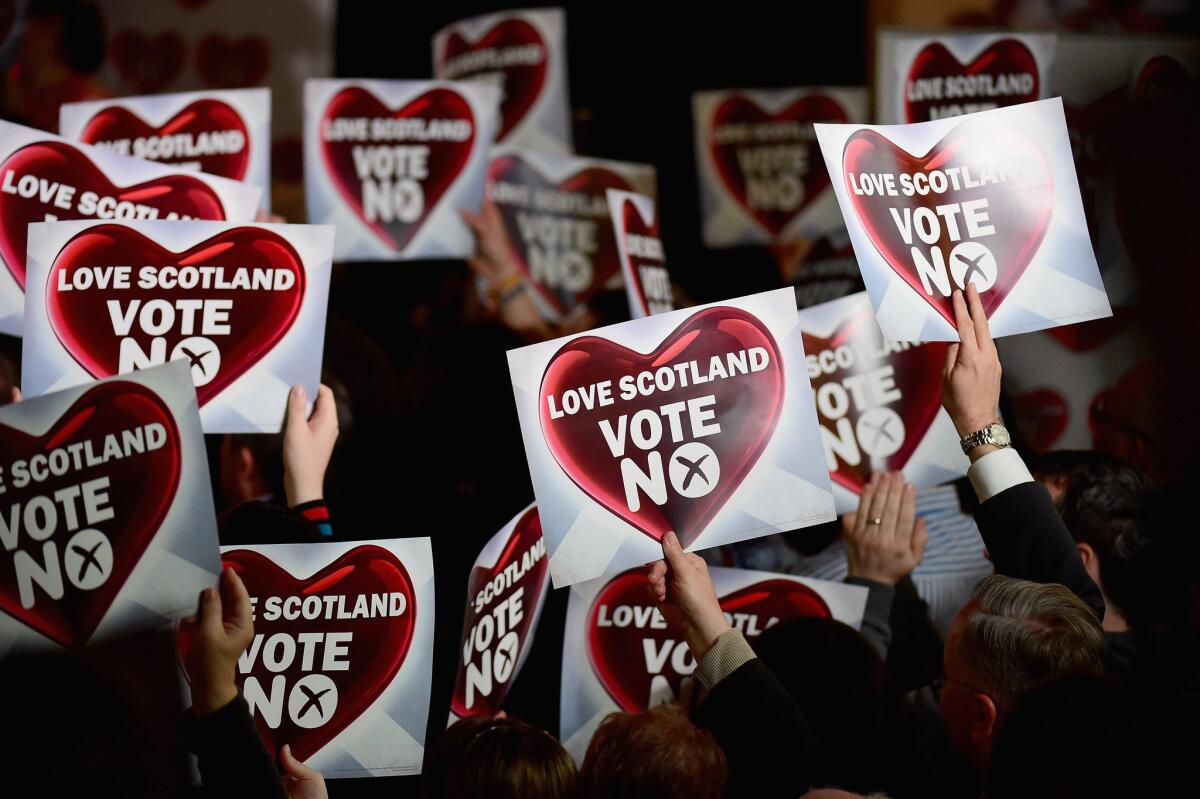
column 704, row 633
column 299, row 492
column 973, row 423
column 210, row 698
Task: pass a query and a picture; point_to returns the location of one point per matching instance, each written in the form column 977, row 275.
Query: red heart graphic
column 567, row 281
column 916, row 372
column 375, row 653
column 644, row 267
column 257, row 319
column 1042, row 416
column 141, row 489
column 200, row 118
column 1007, row 57
column 1019, row 206
column 446, row 159
column 148, row 63
column 520, row 556
column 1164, row 80
column 522, row 82
column 619, row 655
column 225, row 64
column 746, row 407
column 57, row 163
column 797, row 118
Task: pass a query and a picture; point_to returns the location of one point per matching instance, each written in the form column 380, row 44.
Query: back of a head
column 655, row 754
column 1112, row 509
column 479, row 757
column 1015, row 634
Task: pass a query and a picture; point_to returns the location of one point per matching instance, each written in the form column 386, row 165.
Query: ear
column 1091, row 562
column 983, row 717
column 244, row 463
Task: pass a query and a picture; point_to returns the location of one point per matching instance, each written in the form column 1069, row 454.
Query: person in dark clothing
column 497, row 758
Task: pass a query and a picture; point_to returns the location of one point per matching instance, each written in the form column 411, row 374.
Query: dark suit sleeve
column 232, row 758
column 769, row 746
column 1026, row 538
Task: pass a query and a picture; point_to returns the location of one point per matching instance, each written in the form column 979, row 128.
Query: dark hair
column 1071, row 467
column 82, row 34
column 497, row 759
column 655, row 754
column 1109, row 507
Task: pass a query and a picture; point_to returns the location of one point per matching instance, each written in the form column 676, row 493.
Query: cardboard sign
column 223, row 133
column 699, row 421
column 244, row 305
column 106, row 512
column 555, row 211
column 342, row 655
column 505, row 594
column 879, row 403
column 524, row 54
column 639, row 246
column 932, row 75
column 621, row 654
column 45, row 178
column 392, row 164
column 760, row 171
column 989, row 198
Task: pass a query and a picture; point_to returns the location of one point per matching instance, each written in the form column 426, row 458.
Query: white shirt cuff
column 997, row 471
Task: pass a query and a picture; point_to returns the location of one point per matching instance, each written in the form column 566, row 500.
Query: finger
column 962, row 321
column 16, row 393
column 920, row 539
column 983, row 331
column 675, row 556
column 295, row 404
column 849, row 523
column 481, row 267
column 891, row 505
column 875, row 508
column 324, row 409
column 907, row 515
column 863, row 517
column 294, row 767
column 208, row 615
column 951, row 358
column 475, row 222
column 236, row 598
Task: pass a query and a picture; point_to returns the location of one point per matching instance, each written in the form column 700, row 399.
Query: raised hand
column 219, row 632
column 886, row 552
column 971, row 377
column 680, row 585
column 308, row 445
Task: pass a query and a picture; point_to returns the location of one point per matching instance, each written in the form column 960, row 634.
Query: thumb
column 208, row 616
column 673, row 552
column 920, row 538
column 293, row 767
column 295, row 405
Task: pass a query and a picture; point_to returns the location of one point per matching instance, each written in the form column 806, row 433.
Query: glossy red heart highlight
column 627, row 638
column 563, row 273
column 445, row 160
column 375, row 651
column 1019, row 206
column 1007, row 57
column 799, row 182
column 201, row 118
column 141, row 488
column 257, row 318
column 59, row 164
column 746, row 407
column 523, row 555
column 916, row 375
column 523, row 81
column 654, row 267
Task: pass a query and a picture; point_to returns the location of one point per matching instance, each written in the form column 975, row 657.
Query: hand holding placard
column 971, row 379
column 308, row 445
column 217, row 635
column 684, row 592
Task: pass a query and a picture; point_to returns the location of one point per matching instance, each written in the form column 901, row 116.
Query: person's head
column 66, row 31
column 841, row 686
column 1010, row 637
column 497, row 758
column 1060, row 469
column 250, row 466
column 655, row 754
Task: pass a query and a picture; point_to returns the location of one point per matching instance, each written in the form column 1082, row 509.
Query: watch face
column 999, row 434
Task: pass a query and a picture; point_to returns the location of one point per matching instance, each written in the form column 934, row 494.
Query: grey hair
column 1020, row 634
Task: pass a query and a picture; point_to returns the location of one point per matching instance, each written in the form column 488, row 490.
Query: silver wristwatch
column 994, row 434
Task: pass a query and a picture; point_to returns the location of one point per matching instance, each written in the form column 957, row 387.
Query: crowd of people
column 1071, row 671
